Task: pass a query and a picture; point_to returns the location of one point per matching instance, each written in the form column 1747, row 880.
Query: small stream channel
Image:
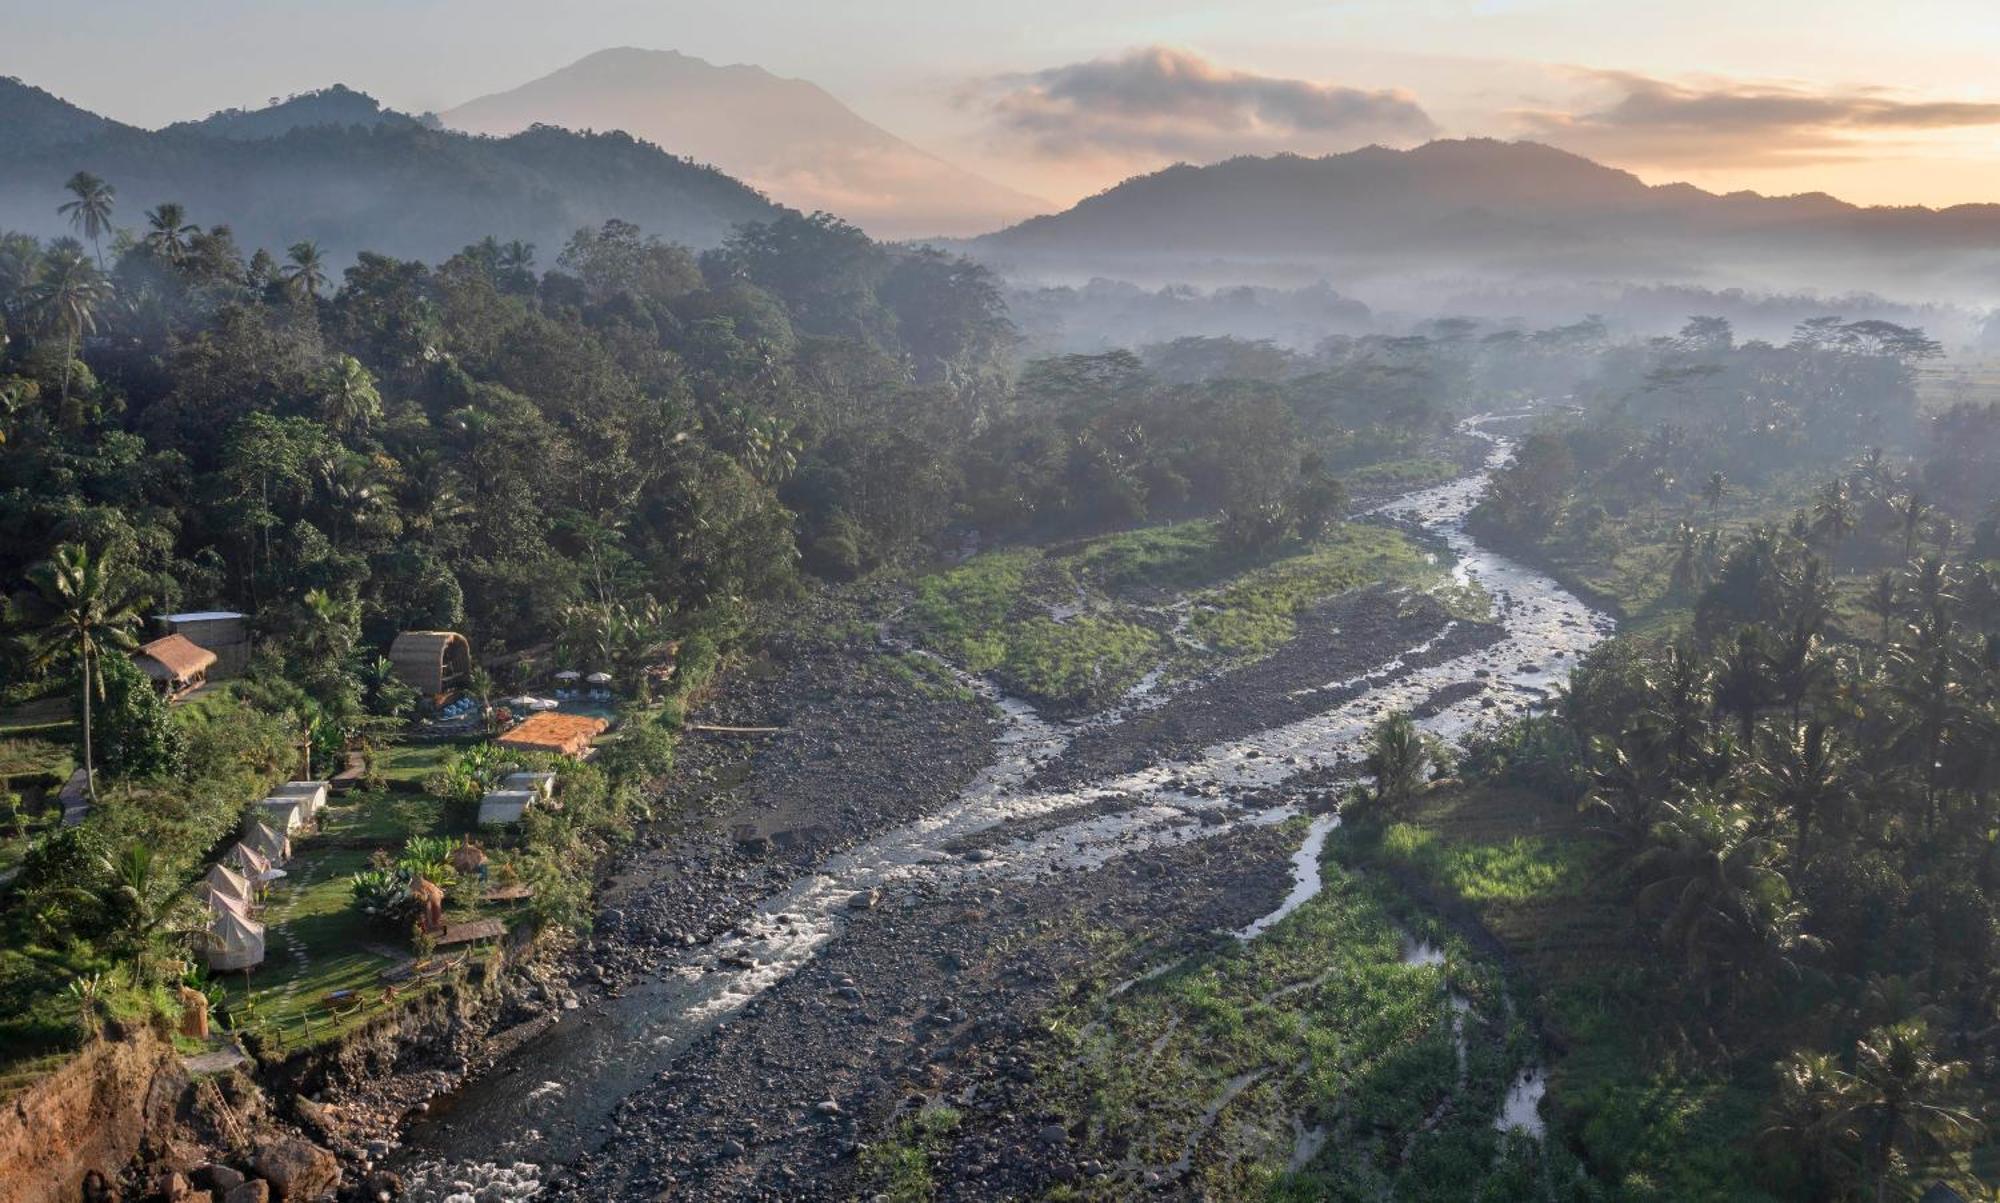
column 549, row 1102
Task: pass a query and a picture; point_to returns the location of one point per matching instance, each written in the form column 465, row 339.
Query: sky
column 1061, row 98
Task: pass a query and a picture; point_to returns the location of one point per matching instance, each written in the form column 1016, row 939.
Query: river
column 546, row 1103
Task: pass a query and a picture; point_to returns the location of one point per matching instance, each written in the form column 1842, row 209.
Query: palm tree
column 90, row 213
column 170, row 231
column 1911, row 511
column 67, row 296
column 1712, row 886
column 349, row 399
column 1833, row 517
column 82, row 604
column 1714, row 489
column 1631, row 778
column 1684, row 577
column 1802, row 772
column 147, row 899
column 1884, row 599
column 1682, row 697
column 1898, row 1100
column 1742, row 687
column 307, row 273
column 1397, row 758
column 1812, row 1118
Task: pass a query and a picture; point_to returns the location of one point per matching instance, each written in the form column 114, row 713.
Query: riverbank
column 865, row 917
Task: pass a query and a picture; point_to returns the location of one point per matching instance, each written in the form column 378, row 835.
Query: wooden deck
column 466, row 933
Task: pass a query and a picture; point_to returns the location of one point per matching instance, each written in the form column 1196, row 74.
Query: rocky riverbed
column 868, row 909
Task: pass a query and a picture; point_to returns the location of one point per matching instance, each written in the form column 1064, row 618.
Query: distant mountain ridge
column 789, row 137
column 1482, row 208
column 338, row 106
column 335, row 167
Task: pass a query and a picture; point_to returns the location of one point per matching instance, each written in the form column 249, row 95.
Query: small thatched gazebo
column 431, row 662
column 175, row 664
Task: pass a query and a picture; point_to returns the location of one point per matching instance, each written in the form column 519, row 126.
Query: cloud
column 1160, row 101
column 1728, row 123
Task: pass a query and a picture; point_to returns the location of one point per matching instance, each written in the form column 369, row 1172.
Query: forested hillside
column 334, row 168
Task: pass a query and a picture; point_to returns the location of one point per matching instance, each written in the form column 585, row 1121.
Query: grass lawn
column 318, row 941
column 1412, row 473
column 405, row 766
column 384, row 818
column 1073, row 626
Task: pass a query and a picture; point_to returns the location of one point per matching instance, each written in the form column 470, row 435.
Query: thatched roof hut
column 431, row 662
column 176, row 664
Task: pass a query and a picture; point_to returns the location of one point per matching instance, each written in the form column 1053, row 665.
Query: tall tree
column 82, row 603
column 306, row 273
column 90, row 212
column 169, row 232
column 67, row 296
column 1901, row 1097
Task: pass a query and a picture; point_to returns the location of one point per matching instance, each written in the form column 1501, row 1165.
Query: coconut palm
column 1714, row 489
column 1398, row 758
column 1631, row 778
column 168, row 231
column 1911, row 513
column 1833, row 517
column 1742, row 686
column 90, row 213
column 1899, row 1098
column 306, row 274
column 67, row 296
column 1802, row 772
column 1884, row 599
column 348, row 398
column 82, row 604
column 1811, row 1117
column 1712, row 887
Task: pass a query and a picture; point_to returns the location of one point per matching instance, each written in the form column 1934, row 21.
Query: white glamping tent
column 234, row 942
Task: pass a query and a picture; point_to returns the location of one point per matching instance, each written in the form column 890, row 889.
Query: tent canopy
column 234, row 942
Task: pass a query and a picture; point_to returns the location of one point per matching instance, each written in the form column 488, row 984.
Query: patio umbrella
column 543, row 703
column 523, row 702
column 599, row 678
column 568, row 674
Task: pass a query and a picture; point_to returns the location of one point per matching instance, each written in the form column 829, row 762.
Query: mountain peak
column 34, row 117
column 789, row 137
column 334, row 105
